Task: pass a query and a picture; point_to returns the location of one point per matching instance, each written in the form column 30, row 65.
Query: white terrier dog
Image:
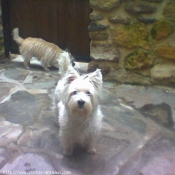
column 48, row 53
column 80, row 117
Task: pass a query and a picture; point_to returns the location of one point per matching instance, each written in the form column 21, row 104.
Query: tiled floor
column 137, row 136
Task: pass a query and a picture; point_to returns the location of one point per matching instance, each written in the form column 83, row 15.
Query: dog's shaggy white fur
column 48, row 53
column 80, row 117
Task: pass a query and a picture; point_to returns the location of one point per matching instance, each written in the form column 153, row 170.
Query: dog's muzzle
column 81, row 103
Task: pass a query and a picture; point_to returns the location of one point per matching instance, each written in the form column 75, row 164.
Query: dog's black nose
column 81, row 103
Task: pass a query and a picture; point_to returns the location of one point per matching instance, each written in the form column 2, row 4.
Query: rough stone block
column 105, row 5
column 140, row 8
column 104, row 51
column 130, row 36
column 112, row 72
column 119, row 19
column 96, row 16
column 163, row 71
column 166, row 50
column 96, row 27
column 99, row 35
column 160, row 113
column 104, row 65
column 146, row 19
column 169, row 10
column 138, row 59
column 161, row 29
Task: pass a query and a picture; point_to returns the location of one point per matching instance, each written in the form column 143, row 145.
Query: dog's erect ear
column 67, row 50
column 96, row 78
column 71, row 77
column 70, row 56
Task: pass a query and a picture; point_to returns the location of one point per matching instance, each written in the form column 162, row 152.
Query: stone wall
column 1, row 36
column 133, row 41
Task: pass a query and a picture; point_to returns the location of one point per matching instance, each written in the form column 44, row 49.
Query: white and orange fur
column 46, row 52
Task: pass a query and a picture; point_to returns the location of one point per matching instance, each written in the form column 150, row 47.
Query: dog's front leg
column 45, row 64
column 90, row 145
column 68, row 146
column 45, row 68
column 26, row 62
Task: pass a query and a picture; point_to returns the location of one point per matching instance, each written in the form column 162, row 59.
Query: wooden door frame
column 6, row 26
column 7, row 31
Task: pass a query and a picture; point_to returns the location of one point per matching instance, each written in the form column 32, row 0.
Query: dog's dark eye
column 74, row 93
column 88, row 93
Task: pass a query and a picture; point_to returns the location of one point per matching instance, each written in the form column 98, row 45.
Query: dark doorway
column 63, row 22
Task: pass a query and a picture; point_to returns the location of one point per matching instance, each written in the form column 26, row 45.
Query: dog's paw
column 91, row 150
